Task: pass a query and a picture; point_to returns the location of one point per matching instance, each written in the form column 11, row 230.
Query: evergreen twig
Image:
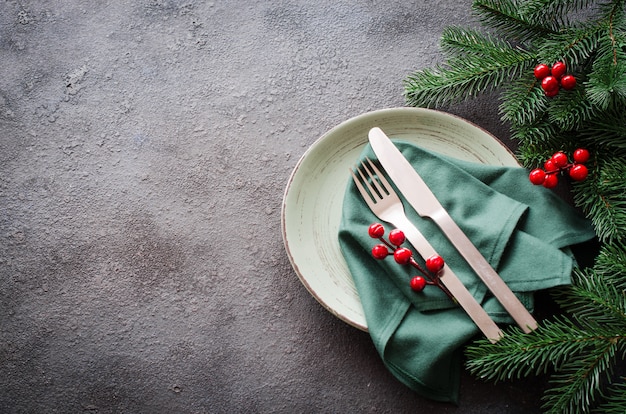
column 469, row 73
column 577, row 384
column 506, row 17
column 557, row 8
column 603, row 197
column 523, row 101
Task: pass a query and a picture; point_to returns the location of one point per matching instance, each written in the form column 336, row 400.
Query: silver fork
column 387, row 206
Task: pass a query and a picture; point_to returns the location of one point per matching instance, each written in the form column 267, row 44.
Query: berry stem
column 420, row 268
column 386, row 243
column 563, row 168
column 432, row 279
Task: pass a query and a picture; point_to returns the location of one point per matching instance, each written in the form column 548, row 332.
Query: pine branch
column 523, row 102
column 549, row 347
column 581, row 355
column 607, row 82
column 603, row 197
column 613, row 13
column 468, row 75
column 508, row 19
column 582, row 351
column 577, row 385
column 606, row 132
column 530, row 157
column 576, row 44
column 611, row 264
column 573, row 45
column 596, row 299
column 592, row 297
column 537, row 141
column 458, row 42
column 553, row 9
column 570, row 110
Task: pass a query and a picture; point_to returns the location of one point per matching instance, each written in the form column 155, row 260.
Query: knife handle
column 483, row 269
column 463, row 296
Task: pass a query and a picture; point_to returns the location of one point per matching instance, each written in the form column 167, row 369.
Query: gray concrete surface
column 144, row 149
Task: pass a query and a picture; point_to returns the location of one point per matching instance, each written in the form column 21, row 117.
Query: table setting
column 419, row 334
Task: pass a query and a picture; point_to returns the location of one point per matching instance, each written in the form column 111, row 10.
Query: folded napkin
column 522, row 230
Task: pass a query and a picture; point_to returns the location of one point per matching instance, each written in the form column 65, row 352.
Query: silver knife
column 426, row 204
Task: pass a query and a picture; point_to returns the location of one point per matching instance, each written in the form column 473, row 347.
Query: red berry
column 559, row 159
column 380, row 251
column 434, row 263
column 578, row 172
column 550, row 84
column 418, row 283
column 549, row 166
column 402, row 255
column 541, row 71
column 581, row 155
column 551, row 181
column 396, row 237
column 559, row 69
column 537, row 176
column 568, row 82
column 376, row 230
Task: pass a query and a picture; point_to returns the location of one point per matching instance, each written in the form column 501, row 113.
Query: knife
column 426, row 204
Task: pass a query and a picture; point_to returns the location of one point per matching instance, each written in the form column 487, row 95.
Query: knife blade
column 422, row 199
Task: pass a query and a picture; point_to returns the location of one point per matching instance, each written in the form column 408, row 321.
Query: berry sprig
column 404, row 256
column 553, row 78
column 548, row 176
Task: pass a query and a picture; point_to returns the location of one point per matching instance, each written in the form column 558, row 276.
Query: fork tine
column 375, row 193
column 382, row 186
column 385, row 184
column 366, row 196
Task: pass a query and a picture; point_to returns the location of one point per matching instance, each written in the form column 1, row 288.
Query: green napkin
column 522, row 230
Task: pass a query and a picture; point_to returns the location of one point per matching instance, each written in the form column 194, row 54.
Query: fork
column 387, row 206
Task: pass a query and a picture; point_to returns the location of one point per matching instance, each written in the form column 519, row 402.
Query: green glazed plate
column 311, row 209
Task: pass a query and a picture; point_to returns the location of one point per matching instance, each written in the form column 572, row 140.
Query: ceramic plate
column 312, row 202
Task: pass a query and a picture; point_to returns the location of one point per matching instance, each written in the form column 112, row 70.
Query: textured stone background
column 144, row 150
